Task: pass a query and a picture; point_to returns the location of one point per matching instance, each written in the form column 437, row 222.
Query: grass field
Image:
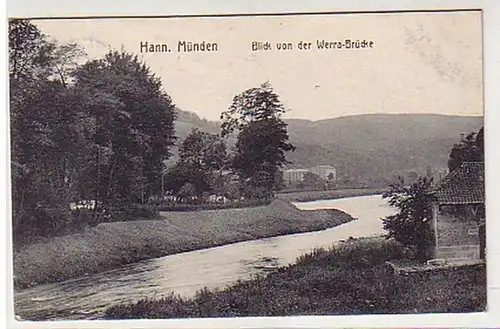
column 304, row 196
column 348, row 279
column 110, row 245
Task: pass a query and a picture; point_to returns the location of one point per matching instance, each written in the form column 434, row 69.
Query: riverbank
column 306, row 196
column 110, row 245
column 351, row 278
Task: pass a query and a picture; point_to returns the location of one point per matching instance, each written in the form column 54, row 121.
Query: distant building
column 294, row 175
column 297, row 175
column 325, row 172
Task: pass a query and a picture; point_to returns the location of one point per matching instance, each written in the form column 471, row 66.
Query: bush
column 46, row 222
column 138, row 212
column 32, row 224
column 412, row 225
column 350, row 278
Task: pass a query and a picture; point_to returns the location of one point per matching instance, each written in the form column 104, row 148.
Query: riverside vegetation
column 80, row 133
column 97, row 135
column 109, row 245
column 91, row 143
column 349, row 278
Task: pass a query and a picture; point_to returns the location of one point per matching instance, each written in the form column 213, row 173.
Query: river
column 88, row 296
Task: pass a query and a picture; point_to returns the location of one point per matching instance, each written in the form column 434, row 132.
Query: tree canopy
column 201, row 158
column 133, row 125
column 469, row 149
column 411, row 226
column 94, row 131
column 262, row 138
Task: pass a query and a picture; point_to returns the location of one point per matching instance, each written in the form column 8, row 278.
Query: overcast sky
column 419, row 62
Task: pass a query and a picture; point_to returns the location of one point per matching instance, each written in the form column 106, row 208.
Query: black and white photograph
column 232, row 166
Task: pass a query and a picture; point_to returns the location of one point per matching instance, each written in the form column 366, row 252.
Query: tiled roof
column 464, row 185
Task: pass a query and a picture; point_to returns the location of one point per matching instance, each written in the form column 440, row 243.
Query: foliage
column 255, row 104
column 29, row 51
column 110, row 245
column 411, row 226
column 469, row 149
column 98, row 131
column 262, row 138
column 348, row 279
column 133, row 126
column 45, row 132
column 312, row 180
column 187, row 192
column 202, row 156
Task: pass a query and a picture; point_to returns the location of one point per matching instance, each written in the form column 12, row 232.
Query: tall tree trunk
column 97, row 187
column 110, row 177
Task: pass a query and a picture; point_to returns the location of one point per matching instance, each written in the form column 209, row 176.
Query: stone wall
column 457, row 233
column 458, row 252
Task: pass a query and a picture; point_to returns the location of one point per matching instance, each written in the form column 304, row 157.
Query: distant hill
column 186, row 121
column 378, row 147
column 365, row 148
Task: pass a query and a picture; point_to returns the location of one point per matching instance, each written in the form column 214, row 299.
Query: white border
column 491, row 12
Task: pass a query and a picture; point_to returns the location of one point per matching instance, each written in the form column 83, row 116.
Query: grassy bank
column 110, row 245
column 304, row 196
column 348, row 279
column 211, row 206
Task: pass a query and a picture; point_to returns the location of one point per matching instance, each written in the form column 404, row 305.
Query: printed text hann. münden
column 182, row 47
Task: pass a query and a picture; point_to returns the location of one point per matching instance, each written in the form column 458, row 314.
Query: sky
column 419, row 62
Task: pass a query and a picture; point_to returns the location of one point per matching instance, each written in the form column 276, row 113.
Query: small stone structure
column 406, row 267
column 458, row 213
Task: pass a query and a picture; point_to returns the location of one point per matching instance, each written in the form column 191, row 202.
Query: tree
column 203, row 150
column 133, row 127
column 262, row 138
column 48, row 143
column 411, row 226
column 469, row 149
column 29, row 51
column 187, row 192
column 99, row 131
column 312, row 180
column 202, row 156
column 480, row 142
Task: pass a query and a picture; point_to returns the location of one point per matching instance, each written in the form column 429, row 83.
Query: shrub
column 40, row 222
column 350, row 278
column 411, row 226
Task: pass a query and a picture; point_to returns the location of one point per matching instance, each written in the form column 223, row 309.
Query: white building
column 294, row 175
column 325, row 171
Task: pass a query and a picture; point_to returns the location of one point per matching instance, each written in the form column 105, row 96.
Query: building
column 325, row 171
column 294, row 175
column 459, row 214
column 297, row 175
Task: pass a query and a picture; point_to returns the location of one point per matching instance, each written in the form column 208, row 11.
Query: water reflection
column 87, row 297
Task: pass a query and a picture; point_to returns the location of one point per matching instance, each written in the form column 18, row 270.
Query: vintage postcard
column 235, row 166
